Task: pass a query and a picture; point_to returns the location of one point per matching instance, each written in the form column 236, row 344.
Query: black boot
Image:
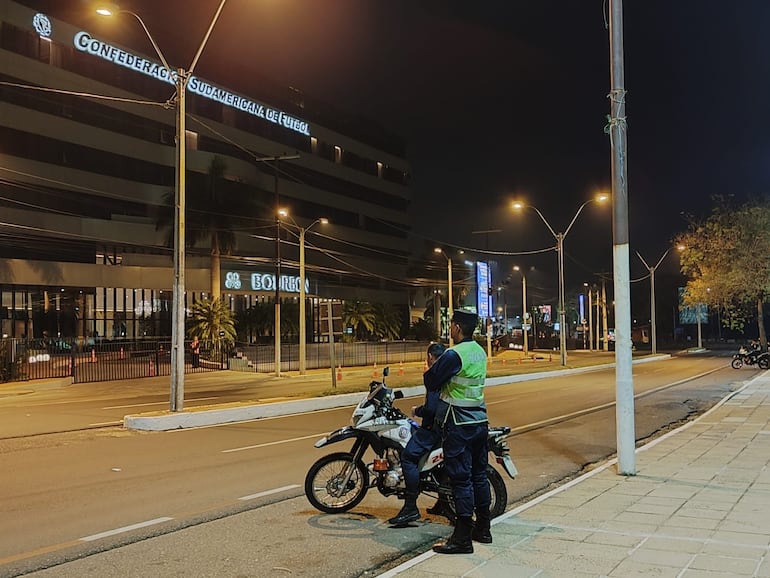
column 409, row 513
column 481, row 528
column 460, row 540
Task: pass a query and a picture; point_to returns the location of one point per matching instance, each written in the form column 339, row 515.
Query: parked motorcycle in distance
column 747, row 356
column 339, row 481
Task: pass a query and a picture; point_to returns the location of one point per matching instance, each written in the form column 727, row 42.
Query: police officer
column 459, row 375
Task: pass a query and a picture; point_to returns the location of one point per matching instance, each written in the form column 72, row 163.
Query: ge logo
column 42, row 25
column 232, row 280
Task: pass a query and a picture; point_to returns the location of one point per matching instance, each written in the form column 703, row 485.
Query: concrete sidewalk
column 698, row 507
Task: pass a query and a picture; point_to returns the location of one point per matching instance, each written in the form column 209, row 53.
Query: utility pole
column 624, row 381
column 277, row 304
column 605, row 332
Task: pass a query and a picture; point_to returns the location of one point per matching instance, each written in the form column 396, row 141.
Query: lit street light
column 302, row 297
column 450, row 310
column 524, row 314
column 560, row 251
column 181, row 78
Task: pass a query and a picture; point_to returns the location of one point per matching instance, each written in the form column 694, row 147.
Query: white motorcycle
column 339, row 481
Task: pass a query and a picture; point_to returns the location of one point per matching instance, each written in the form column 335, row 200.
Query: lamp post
column 450, row 305
column 560, row 251
column 524, row 313
column 653, row 331
column 181, row 78
column 590, row 318
column 302, row 295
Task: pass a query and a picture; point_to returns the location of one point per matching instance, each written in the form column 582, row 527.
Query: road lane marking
column 125, row 529
column 157, row 403
column 269, row 492
column 279, row 442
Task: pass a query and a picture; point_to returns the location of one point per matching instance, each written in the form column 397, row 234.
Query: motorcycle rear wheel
column 736, row 363
column 497, row 490
column 324, row 483
column 764, row 362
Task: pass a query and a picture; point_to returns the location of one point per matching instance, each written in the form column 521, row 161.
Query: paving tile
column 667, row 543
column 633, row 518
column 714, row 548
column 689, row 522
column 493, row 570
column 740, row 538
column 729, row 566
column 675, row 559
column 632, row 569
column 628, row 541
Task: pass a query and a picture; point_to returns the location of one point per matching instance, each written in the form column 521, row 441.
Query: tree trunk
column 761, row 323
column 215, row 268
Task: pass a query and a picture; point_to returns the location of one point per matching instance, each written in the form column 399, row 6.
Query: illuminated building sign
column 235, row 281
column 86, row 43
column 483, row 282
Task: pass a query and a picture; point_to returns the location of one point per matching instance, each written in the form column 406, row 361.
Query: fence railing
column 89, row 360
column 261, row 358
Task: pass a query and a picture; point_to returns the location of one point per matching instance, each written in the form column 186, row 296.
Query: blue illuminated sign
column 483, row 280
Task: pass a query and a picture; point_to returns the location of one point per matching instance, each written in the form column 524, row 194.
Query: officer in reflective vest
column 459, row 374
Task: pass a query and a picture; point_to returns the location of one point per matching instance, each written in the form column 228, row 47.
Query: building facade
column 87, row 174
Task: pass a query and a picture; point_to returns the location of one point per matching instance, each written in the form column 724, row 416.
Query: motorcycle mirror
column 385, row 372
column 398, row 394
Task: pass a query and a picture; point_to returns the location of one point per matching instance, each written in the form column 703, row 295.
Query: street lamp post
column 302, row 293
column 181, row 78
column 653, row 331
column 523, row 306
column 590, row 318
column 450, row 304
column 560, row 251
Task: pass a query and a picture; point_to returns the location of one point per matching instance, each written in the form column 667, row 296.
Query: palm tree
column 360, row 316
column 388, row 321
column 209, row 318
column 216, row 206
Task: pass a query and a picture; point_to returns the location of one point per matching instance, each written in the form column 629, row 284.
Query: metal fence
column 89, row 360
column 261, row 358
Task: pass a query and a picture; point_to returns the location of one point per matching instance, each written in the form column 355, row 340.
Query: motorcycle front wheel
column 736, row 363
column 764, row 362
column 326, row 487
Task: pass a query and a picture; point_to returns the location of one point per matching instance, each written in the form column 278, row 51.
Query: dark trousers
column 466, row 458
column 422, row 441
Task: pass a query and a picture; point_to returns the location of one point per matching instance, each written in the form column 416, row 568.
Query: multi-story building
column 87, row 174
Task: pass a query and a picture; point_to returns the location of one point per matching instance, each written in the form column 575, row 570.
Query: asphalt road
column 227, row 500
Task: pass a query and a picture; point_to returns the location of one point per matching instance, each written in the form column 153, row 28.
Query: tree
column 387, row 322
column 215, row 208
column 208, row 318
column 360, row 316
column 726, row 260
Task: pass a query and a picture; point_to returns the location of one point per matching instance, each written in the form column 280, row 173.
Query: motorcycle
column 750, row 357
column 339, row 481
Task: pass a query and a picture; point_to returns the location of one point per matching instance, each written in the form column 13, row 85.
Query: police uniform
column 462, row 415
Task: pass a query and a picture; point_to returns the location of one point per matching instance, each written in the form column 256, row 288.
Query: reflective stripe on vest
column 466, row 389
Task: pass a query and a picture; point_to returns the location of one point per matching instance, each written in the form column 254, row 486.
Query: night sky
column 504, row 99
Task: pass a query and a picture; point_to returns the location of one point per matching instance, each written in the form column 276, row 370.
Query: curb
column 213, row 415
